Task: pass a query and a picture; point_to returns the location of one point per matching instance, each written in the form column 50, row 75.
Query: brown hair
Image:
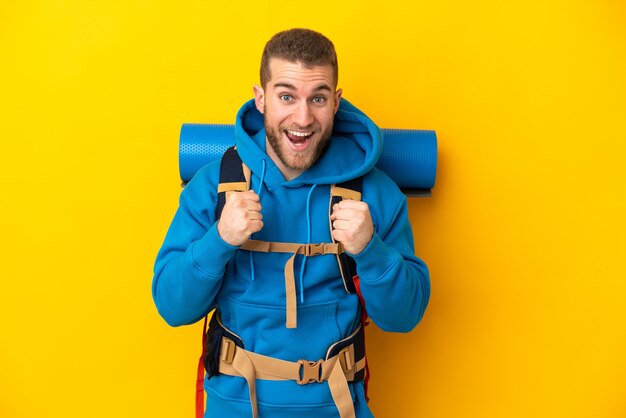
column 303, row 46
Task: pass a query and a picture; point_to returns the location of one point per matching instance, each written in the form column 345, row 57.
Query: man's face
column 299, row 106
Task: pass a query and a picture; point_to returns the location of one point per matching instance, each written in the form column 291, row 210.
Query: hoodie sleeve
column 192, row 260
column 395, row 283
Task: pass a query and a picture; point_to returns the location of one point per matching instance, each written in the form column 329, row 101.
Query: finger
column 249, row 195
column 346, row 214
column 347, row 209
column 256, row 226
column 351, row 204
column 254, row 215
column 339, row 213
column 341, row 236
column 246, row 204
column 252, row 206
column 342, row 225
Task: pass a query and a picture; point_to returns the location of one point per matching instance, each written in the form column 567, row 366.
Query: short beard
column 297, row 162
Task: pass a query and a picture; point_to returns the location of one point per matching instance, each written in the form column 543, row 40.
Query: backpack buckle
column 314, row 249
column 346, row 359
column 227, row 352
column 310, row 371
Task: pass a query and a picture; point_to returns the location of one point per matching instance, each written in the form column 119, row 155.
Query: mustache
column 313, row 127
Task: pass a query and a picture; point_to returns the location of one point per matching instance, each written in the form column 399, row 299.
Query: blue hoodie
column 196, row 271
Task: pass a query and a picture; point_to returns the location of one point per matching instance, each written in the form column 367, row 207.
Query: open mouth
column 298, row 138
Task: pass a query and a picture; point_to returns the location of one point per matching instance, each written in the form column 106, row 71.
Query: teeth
column 300, row 134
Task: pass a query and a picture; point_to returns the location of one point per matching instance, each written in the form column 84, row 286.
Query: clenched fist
column 241, row 217
column 353, row 225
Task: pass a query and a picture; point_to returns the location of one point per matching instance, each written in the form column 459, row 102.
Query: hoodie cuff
column 375, row 260
column 211, row 253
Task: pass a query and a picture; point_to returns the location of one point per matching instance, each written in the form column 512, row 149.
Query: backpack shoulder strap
column 348, row 190
column 234, row 177
column 351, row 190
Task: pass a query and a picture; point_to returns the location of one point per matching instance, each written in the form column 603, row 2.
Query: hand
column 241, row 217
column 353, row 225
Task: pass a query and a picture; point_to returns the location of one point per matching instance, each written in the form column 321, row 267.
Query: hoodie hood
column 353, row 150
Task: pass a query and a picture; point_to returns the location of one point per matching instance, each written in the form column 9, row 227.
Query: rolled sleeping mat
column 409, row 156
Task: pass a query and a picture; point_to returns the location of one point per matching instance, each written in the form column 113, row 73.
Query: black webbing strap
column 346, row 263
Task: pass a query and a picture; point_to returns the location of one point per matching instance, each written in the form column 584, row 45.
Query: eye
column 286, row 97
column 319, row 99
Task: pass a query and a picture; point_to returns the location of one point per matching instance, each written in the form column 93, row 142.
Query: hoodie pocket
column 262, row 328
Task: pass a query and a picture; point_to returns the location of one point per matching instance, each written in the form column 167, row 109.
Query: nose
column 303, row 116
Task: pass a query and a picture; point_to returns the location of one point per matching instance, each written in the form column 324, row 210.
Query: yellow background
column 524, row 236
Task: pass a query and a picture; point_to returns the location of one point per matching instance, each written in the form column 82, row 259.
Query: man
column 286, row 309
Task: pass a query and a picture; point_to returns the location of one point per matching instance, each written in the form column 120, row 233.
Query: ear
column 259, row 98
column 337, row 99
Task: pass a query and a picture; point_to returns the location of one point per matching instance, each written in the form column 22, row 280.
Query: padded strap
column 348, row 190
column 232, row 187
column 351, row 190
column 234, row 177
column 345, row 193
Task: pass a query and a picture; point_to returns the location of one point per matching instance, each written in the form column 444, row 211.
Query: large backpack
column 235, row 177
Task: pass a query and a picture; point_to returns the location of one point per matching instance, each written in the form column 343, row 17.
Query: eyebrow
column 321, row 87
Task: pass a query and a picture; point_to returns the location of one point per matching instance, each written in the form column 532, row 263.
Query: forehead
column 295, row 74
